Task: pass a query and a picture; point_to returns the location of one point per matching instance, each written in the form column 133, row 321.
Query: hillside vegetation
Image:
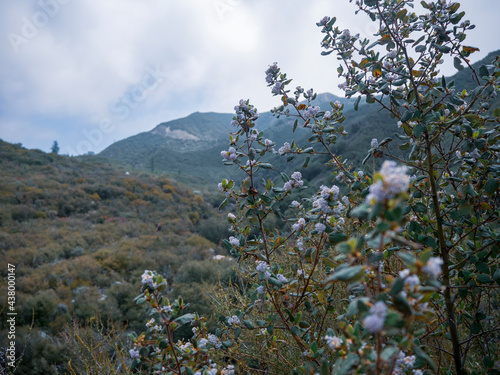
column 81, row 233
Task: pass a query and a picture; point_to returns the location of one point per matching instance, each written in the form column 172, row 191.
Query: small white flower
column 261, row 266
column 134, row 353
column 295, row 204
column 333, row 342
column 281, row 278
column 433, row 267
column 374, row 143
column 320, row 228
column 214, row 340
column 375, row 321
column 234, row 241
column 404, row 273
column 286, row 148
column 299, row 225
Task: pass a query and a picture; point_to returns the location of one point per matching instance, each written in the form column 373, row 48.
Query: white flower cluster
column 333, row 342
column 254, row 134
column 299, row 225
column 202, row 342
column 284, row 149
column 329, row 193
column 243, row 111
column 263, row 267
column 395, row 181
column 214, row 340
column 404, row 363
column 320, row 228
column 311, row 112
column 322, row 204
column 271, row 73
column 433, row 267
column 234, row 241
column 295, row 181
column 230, row 154
column 147, row 279
column 281, row 278
column 164, row 309
column 474, row 154
column 375, row 321
column 152, row 324
column 226, row 192
column 233, row 320
column 134, row 353
column 185, row 347
column 411, row 281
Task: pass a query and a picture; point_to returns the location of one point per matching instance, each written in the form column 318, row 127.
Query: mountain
column 188, row 149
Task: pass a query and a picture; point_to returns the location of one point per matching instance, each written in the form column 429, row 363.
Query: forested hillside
column 81, row 233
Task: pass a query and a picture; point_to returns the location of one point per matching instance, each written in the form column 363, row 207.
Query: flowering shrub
column 383, row 272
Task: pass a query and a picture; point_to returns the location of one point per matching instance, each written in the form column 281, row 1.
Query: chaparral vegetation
column 384, row 265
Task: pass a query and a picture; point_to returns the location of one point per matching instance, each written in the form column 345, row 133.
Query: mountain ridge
column 190, row 146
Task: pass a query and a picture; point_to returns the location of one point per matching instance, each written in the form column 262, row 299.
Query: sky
column 87, row 73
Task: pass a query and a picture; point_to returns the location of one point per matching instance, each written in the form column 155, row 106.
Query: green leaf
column 356, row 103
column 422, row 356
column 389, row 352
column 458, row 64
column 274, row 282
column 406, row 116
column 482, row 267
column 397, row 286
column 266, row 166
column 484, row 279
column 185, row 319
column 164, row 344
column 402, row 304
column 296, row 122
column 325, row 367
column 491, row 186
column 237, row 333
column 418, row 130
column 248, row 324
column 483, row 72
column 337, row 237
column 420, row 207
column 420, row 48
column 496, row 276
column 345, row 274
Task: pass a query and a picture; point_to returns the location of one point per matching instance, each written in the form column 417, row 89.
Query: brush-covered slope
column 80, row 234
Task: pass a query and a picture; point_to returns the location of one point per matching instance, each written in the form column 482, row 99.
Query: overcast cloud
column 89, row 72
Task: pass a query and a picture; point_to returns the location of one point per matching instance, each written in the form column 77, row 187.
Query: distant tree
column 55, row 148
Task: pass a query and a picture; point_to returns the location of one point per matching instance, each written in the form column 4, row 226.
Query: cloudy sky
column 90, row 72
